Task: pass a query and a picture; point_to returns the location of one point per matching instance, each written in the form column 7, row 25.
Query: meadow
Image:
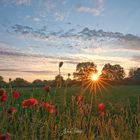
column 113, row 114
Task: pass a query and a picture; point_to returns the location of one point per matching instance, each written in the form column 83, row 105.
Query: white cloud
column 96, row 11
column 20, row 2
column 15, row 2
column 59, row 16
column 33, row 18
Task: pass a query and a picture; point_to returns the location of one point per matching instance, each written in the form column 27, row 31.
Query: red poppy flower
column 51, row 108
column 12, row 110
column 101, row 106
column 45, row 105
column 15, row 94
column 2, row 92
column 6, row 136
column 47, row 89
column 29, row 102
column 4, row 97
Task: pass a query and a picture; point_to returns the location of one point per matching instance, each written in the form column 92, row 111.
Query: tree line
column 114, row 74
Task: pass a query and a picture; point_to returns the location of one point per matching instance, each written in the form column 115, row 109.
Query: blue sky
column 37, row 34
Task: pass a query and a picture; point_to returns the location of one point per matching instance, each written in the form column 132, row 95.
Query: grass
column 73, row 122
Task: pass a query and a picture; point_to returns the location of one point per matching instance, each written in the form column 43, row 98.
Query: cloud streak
column 15, row 2
column 86, row 40
column 96, row 11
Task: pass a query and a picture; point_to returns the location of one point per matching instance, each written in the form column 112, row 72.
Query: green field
column 121, row 120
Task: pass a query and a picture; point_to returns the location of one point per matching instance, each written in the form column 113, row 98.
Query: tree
column 131, row 72
column 84, row 70
column 136, row 76
column 113, row 72
column 19, row 82
column 38, row 82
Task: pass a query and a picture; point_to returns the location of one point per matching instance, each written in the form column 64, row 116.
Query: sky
column 35, row 35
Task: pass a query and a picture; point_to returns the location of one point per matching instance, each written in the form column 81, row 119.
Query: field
column 74, row 116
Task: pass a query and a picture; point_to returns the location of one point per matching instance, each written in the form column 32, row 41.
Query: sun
column 94, row 77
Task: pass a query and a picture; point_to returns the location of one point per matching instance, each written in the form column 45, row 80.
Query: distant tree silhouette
column 136, row 76
column 38, row 82
column 113, row 72
column 83, row 70
column 131, row 72
column 19, row 82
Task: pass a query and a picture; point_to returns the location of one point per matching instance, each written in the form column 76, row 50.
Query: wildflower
column 47, row 89
column 12, row 110
column 29, row 102
column 50, row 107
column 15, row 94
column 101, row 106
column 2, row 92
column 60, row 64
column 6, row 136
column 45, row 105
column 3, row 98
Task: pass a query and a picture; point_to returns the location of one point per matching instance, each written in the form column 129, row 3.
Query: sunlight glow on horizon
column 94, row 77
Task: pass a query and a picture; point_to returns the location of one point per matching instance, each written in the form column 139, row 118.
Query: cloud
column 59, row 16
column 87, row 40
column 96, row 11
column 128, row 41
column 29, row 71
column 15, row 2
column 136, row 58
column 33, row 18
column 29, row 31
column 8, row 50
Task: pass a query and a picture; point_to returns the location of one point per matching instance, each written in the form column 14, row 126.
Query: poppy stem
column 90, row 113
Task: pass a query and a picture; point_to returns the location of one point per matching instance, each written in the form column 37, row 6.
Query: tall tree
column 131, row 72
column 136, row 75
column 113, row 72
column 84, row 70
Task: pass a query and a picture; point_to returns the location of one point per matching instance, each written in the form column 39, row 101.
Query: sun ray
column 96, row 84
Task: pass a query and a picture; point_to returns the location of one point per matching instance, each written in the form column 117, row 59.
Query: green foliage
column 113, row 72
column 122, row 115
column 19, row 82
